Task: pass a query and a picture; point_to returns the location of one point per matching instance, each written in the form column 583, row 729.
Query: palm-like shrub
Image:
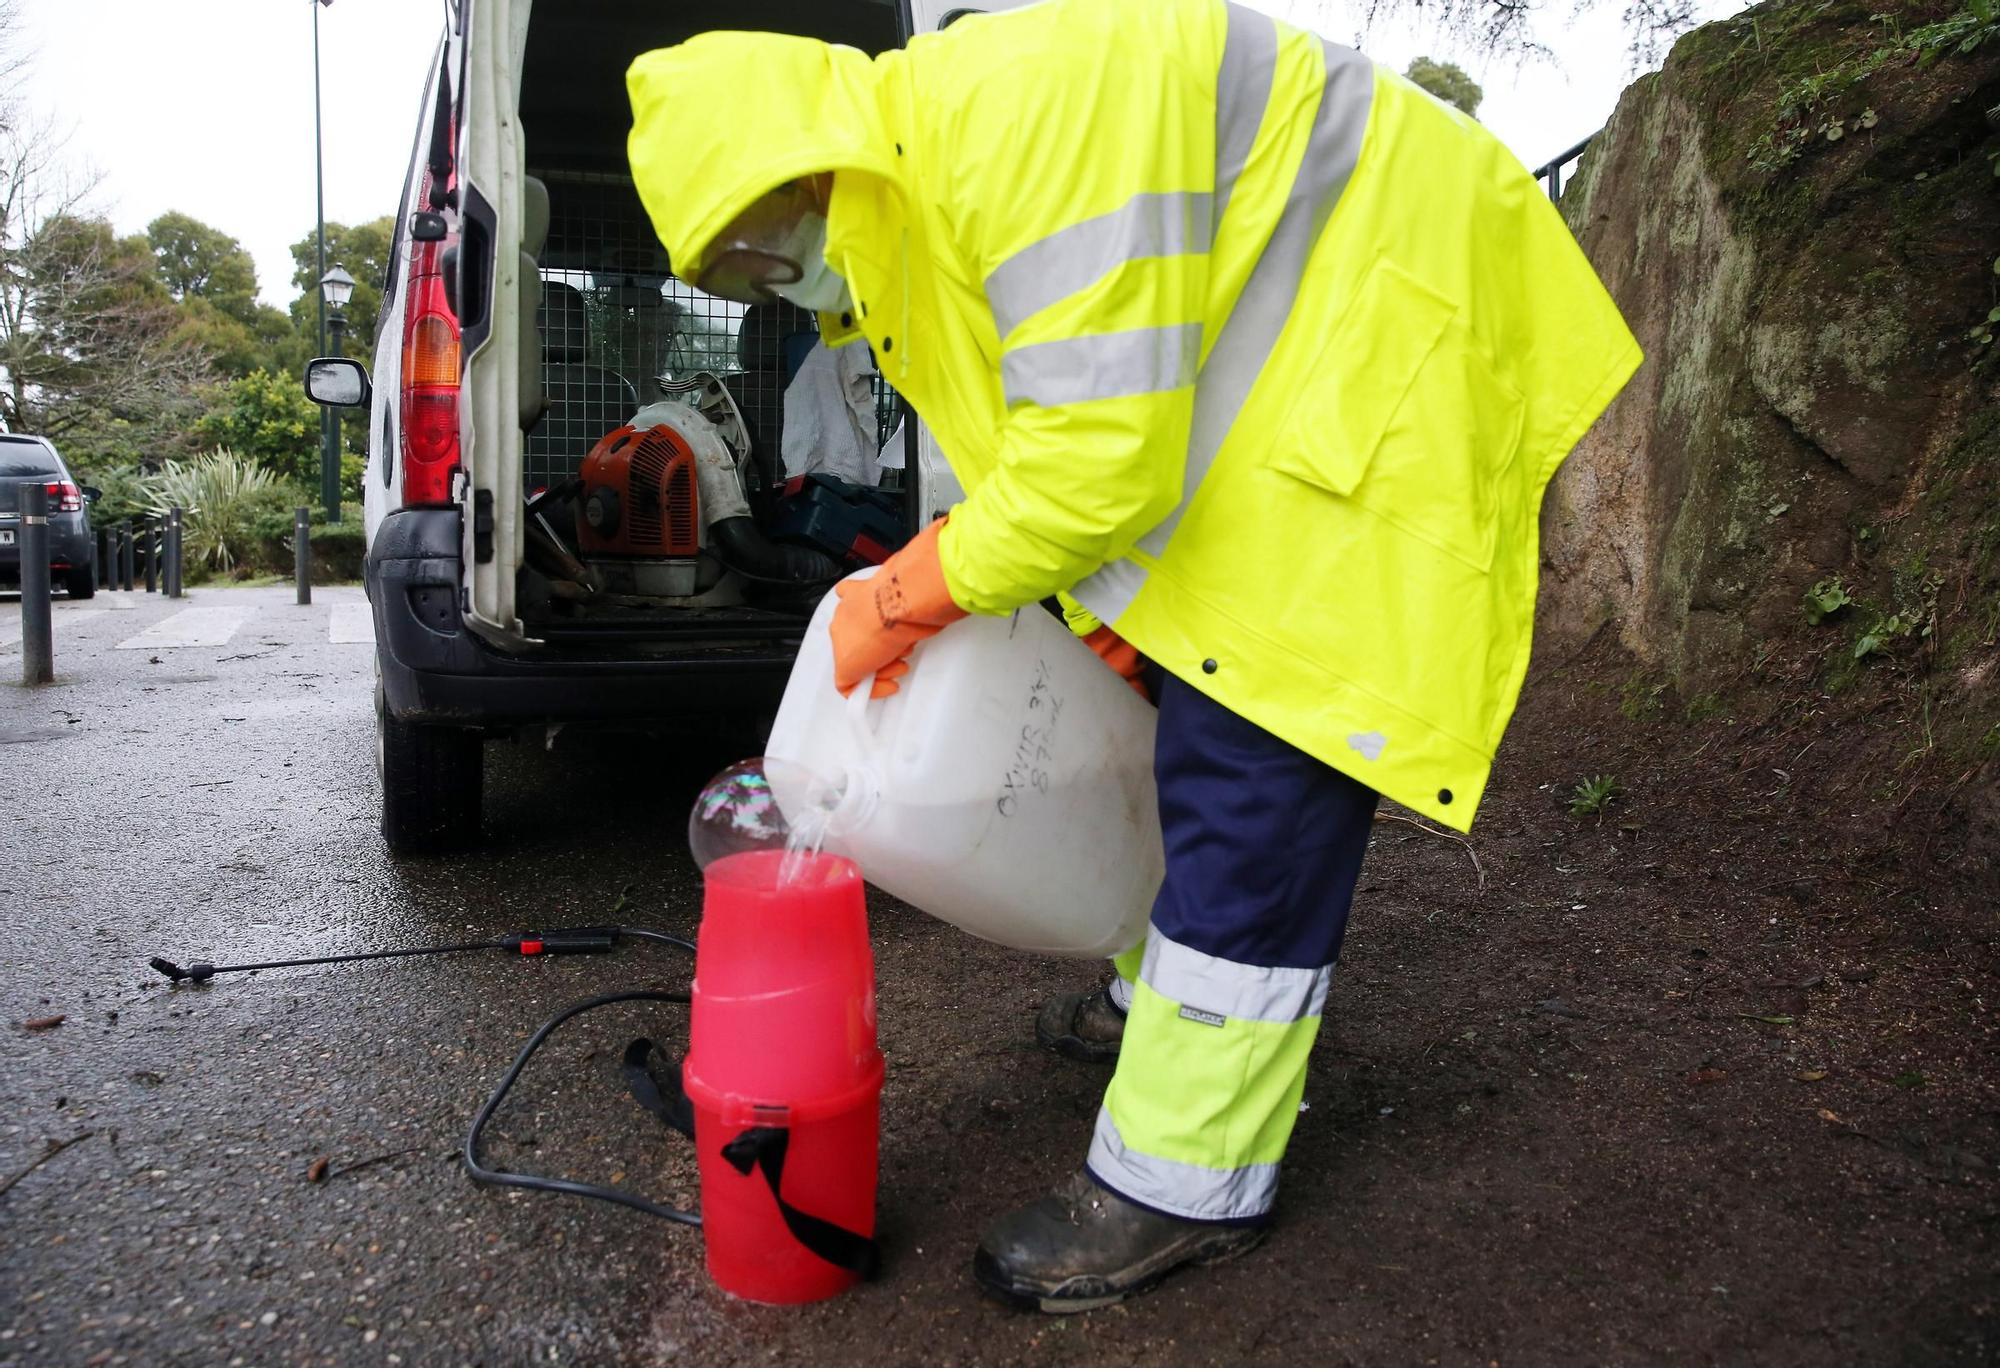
column 223, row 499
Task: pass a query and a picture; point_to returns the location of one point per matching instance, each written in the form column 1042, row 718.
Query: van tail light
column 430, row 384
column 64, row 497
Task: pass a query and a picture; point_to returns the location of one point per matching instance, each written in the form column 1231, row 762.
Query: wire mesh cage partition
column 614, row 321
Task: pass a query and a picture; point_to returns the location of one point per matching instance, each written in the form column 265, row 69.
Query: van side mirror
column 91, row 493
column 336, row 382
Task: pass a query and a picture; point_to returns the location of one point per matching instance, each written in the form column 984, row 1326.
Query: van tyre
column 431, row 781
column 81, row 582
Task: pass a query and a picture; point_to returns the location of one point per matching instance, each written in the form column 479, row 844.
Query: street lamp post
column 329, row 423
column 336, row 287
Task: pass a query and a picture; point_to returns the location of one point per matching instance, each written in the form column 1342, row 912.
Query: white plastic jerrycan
column 1006, row 787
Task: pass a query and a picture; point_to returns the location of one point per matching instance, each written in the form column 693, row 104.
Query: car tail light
column 64, row 497
column 430, row 383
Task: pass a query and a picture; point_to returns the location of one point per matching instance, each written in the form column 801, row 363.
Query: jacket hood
column 724, row 117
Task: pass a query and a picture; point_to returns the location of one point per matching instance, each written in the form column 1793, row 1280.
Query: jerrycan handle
column 864, row 721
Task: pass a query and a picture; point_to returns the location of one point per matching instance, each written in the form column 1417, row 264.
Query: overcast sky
column 206, row 106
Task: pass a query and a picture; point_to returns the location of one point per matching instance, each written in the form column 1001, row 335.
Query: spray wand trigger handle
column 575, row 940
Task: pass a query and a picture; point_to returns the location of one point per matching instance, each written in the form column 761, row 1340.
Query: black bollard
column 174, row 552
column 125, row 553
column 152, row 557
column 302, row 553
column 103, row 566
column 38, row 664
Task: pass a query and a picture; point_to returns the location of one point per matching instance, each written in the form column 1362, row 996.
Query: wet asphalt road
column 217, row 802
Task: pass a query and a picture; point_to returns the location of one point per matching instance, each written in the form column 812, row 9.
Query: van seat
column 762, row 343
column 584, row 401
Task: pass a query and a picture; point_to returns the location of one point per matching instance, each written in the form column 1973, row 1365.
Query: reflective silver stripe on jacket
column 1167, row 223
column 1251, row 332
column 1242, row 90
column 1190, row 1190
column 1241, row 992
column 1113, row 365
column 1152, row 223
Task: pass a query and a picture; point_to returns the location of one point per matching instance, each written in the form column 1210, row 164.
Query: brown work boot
column 1086, row 1026
column 1084, row 1246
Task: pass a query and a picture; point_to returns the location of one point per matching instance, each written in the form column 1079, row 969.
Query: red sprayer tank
column 785, row 1076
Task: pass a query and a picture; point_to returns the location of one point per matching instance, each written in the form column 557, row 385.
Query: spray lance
column 782, row 1060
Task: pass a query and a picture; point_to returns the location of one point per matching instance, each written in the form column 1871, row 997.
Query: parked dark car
column 72, row 547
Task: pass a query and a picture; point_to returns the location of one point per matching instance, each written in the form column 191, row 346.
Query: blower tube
column 745, row 549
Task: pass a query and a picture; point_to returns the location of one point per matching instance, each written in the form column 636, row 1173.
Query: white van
column 530, row 561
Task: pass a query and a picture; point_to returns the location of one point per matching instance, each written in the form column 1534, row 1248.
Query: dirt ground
column 1704, row 1078
column 1709, row 1077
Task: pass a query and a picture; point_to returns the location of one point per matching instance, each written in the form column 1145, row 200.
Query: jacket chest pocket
column 1402, row 414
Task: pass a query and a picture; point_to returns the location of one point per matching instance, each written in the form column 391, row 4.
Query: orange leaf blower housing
column 639, row 496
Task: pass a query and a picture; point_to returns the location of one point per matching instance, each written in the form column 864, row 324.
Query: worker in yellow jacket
column 1261, row 357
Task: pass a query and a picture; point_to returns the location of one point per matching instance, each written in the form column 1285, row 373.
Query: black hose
column 745, row 549
column 647, row 933
column 536, row 1182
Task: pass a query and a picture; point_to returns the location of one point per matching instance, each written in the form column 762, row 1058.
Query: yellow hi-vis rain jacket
column 1259, row 351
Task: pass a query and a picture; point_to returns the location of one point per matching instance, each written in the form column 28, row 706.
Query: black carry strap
column 765, row 1147
column 761, row 1146
column 664, row 1100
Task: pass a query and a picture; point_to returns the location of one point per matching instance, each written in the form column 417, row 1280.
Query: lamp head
column 337, row 287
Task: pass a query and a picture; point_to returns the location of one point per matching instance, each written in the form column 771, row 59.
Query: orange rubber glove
column 1122, row 656
column 880, row 618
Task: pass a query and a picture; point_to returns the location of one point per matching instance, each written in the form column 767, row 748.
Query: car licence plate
column 6, row 536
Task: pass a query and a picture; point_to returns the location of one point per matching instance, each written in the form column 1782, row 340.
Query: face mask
column 819, row 287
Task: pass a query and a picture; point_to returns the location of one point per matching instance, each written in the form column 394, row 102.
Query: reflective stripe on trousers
column 1264, row 845
column 1197, row 1117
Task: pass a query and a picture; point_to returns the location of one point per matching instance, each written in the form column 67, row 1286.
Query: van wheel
column 430, row 784
column 81, row 582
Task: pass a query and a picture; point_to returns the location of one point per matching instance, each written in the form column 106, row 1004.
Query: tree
column 199, row 262
column 267, row 418
column 267, row 342
column 1508, row 26
column 86, row 329
column 363, row 249
column 1447, row 81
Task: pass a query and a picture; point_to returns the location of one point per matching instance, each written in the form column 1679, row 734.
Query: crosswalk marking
column 189, row 627
column 351, row 623
column 60, row 622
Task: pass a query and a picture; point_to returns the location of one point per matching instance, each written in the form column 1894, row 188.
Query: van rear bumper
column 435, row 670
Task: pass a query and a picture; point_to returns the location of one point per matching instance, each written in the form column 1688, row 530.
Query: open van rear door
column 491, row 167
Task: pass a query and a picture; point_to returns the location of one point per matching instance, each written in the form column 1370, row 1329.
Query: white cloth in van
column 893, row 450
column 830, row 415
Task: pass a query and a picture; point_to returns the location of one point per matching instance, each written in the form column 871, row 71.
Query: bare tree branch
column 85, row 330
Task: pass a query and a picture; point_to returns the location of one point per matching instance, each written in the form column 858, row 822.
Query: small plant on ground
column 1881, row 631
column 1639, row 698
column 1702, row 707
column 1825, row 599
column 1812, row 108
column 1591, row 796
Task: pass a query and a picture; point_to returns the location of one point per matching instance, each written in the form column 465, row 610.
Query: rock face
column 1803, row 256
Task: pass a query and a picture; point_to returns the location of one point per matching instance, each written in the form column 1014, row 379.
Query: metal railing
column 1551, row 171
